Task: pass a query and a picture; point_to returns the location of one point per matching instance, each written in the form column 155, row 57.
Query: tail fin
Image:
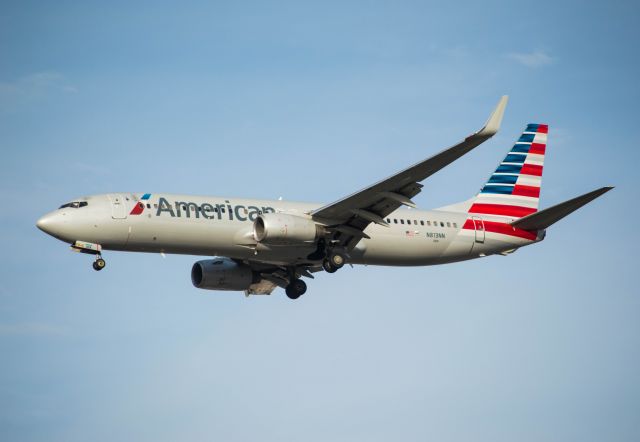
column 514, row 188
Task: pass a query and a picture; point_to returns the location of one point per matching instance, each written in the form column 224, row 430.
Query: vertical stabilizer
column 513, row 190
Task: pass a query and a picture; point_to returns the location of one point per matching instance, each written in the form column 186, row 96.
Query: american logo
column 139, row 207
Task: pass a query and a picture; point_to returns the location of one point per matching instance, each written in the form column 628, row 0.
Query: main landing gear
column 296, row 288
column 334, row 262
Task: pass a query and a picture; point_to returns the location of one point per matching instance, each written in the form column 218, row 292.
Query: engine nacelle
column 222, row 274
column 282, row 229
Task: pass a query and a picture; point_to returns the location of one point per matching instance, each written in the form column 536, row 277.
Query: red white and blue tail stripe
column 513, row 191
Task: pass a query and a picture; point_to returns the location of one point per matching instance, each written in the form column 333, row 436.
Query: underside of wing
column 273, row 276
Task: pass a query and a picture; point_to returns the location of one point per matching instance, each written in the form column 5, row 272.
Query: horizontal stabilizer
column 543, row 219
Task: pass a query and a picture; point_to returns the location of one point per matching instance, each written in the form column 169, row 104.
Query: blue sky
column 311, row 101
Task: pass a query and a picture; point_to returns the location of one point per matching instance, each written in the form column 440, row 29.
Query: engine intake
column 222, row 274
column 284, row 229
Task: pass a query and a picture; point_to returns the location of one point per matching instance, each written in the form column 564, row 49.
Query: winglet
column 493, row 123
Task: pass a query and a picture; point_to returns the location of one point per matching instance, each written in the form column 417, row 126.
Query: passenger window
column 415, row 222
column 409, row 221
column 441, row 224
column 455, row 225
column 148, row 206
column 429, row 223
column 421, row 222
column 388, row 221
column 448, row 224
column 395, row 221
column 401, row 221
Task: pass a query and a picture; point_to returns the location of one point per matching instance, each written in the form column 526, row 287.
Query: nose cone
column 53, row 224
column 45, row 223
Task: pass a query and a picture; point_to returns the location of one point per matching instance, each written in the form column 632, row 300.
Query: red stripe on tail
column 537, row 148
column 523, row 190
column 503, row 229
column 506, row 229
column 531, row 169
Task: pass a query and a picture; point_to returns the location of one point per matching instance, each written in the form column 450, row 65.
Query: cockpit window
column 74, row 204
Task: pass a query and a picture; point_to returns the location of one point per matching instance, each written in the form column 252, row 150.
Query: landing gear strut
column 296, row 288
column 334, row 262
column 99, row 263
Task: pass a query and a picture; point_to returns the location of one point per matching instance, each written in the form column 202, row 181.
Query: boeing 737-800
column 258, row 245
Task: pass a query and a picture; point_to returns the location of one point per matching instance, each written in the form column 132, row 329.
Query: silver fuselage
column 218, row 226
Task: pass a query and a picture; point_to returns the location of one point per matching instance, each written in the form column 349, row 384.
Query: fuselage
column 219, row 226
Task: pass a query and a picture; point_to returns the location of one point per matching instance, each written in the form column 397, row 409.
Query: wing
column 350, row 216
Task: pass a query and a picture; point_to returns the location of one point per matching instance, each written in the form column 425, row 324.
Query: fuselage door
column 118, row 208
column 478, row 225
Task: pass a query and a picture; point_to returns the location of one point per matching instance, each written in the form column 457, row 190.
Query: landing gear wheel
column 296, row 288
column 328, row 267
column 336, row 260
column 99, row 264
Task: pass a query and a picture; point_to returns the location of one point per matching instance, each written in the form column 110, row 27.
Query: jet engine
column 284, row 229
column 222, row 274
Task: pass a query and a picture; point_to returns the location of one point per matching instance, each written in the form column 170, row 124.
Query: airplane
column 256, row 245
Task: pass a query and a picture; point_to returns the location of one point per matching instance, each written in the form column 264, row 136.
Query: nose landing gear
column 99, row 263
column 91, row 249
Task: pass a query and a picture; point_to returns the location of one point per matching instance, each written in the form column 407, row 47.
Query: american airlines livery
column 258, row 245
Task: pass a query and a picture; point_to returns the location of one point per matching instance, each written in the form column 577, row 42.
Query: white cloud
column 533, row 59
